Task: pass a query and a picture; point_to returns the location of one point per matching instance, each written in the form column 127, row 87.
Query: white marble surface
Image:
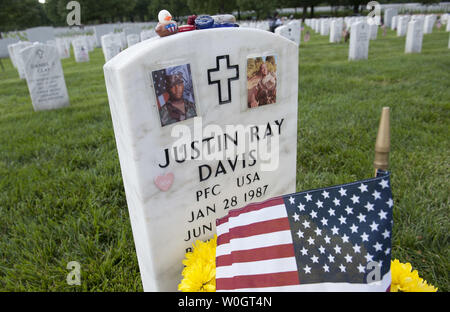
column 40, row 34
column 359, row 41
column 290, row 31
column 63, row 47
column 147, row 34
column 111, row 46
column 161, row 220
column 388, row 15
column 16, row 48
column 45, row 77
column 373, row 31
column 414, row 37
column 336, row 27
column 402, row 25
column 429, row 23
column 325, row 27
column 394, row 22
column 80, row 50
column 132, row 39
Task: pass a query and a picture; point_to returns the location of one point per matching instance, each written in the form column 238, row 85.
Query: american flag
column 171, row 27
column 330, row 239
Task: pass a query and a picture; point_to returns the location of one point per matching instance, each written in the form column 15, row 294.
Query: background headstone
column 40, row 34
column 414, row 37
column 359, row 41
column 63, row 47
column 373, row 31
column 325, row 27
column 132, row 39
column 429, row 23
column 336, row 30
column 80, row 50
column 16, row 48
column 45, row 77
column 402, row 25
column 111, row 46
column 388, row 15
column 172, row 204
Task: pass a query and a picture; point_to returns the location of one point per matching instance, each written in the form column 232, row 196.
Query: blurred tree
column 21, row 14
column 212, row 6
column 140, row 10
column 262, row 8
column 356, row 4
column 176, row 7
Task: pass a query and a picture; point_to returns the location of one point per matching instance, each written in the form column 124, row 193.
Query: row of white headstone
column 361, row 30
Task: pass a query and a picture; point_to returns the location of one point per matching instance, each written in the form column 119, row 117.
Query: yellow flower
column 406, row 280
column 199, row 273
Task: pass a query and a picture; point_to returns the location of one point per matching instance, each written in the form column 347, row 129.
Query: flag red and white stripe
column 330, row 239
column 254, row 248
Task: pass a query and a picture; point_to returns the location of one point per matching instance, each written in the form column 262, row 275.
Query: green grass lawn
column 61, row 191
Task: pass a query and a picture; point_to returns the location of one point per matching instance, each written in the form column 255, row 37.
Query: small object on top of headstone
column 204, row 22
column 166, row 26
column 224, row 19
column 191, row 20
column 184, row 28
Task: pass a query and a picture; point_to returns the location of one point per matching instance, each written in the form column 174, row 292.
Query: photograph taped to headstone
column 261, row 80
column 174, row 94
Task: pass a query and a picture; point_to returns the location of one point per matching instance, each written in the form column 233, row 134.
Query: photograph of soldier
column 261, row 81
column 174, row 94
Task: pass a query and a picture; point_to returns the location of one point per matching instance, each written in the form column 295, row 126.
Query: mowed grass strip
column 61, row 190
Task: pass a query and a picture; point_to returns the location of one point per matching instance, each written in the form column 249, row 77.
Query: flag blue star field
column 330, row 239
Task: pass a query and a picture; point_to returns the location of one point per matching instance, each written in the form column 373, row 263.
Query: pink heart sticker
column 164, row 182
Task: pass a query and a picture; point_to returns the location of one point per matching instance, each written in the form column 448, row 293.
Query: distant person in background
column 275, row 22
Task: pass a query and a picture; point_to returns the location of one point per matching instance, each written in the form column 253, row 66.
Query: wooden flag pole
column 383, row 143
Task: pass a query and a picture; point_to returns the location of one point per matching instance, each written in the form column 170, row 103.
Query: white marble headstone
column 45, row 77
column 63, row 47
column 325, row 27
column 373, row 31
column 402, row 25
column 414, row 37
column 429, row 23
column 174, row 199
column 11, row 54
column 132, row 39
column 147, row 34
column 394, row 22
column 388, row 15
column 336, row 27
column 80, row 50
column 359, row 41
column 289, row 32
column 16, row 48
column 111, row 46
